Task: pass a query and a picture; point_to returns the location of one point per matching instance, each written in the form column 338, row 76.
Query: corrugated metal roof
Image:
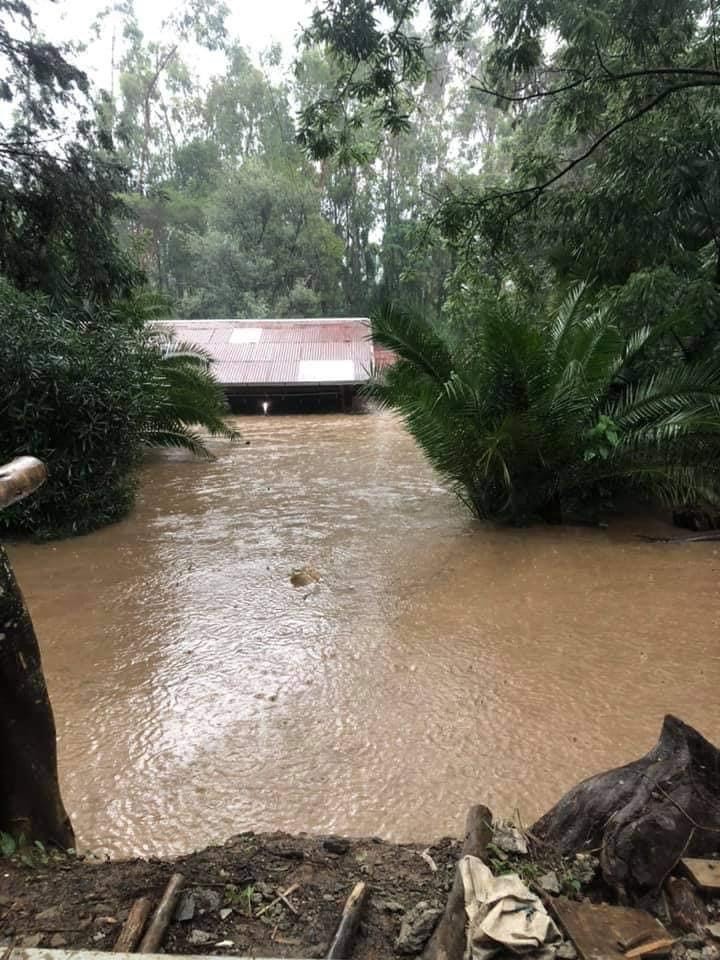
column 286, row 351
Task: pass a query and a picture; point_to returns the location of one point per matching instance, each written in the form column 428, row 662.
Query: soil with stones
column 77, row 903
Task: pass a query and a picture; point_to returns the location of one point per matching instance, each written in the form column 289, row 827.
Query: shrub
column 547, row 416
column 85, row 395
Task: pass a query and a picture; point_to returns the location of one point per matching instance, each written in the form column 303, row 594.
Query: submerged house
column 277, row 365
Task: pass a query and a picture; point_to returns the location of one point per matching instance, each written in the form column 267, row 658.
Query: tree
column 549, row 415
column 85, row 394
column 58, row 192
column 30, row 802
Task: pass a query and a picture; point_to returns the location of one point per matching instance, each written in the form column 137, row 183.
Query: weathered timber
column 645, row 816
column 43, row 953
column 687, row 910
column 344, row 939
column 448, row 939
column 30, row 801
column 655, row 948
column 157, row 927
column 133, row 927
column 704, row 873
column 598, row 929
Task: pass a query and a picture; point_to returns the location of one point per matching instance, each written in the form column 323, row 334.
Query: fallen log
column 448, row 939
column 643, row 817
column 133, row 927
column 342, row 945
column 158, row 925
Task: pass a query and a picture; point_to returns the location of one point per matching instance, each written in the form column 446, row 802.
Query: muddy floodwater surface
column 438, row 663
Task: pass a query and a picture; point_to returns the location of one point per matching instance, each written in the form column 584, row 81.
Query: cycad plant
column 189, row 402
column 546, row 417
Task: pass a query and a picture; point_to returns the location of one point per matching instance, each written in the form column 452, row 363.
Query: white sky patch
column 255, row 25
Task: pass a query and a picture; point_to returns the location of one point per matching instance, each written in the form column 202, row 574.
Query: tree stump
column 30, row 801
column 646, row 815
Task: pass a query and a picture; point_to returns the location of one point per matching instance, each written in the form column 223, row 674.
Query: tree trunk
column 645, row 816
column 30, row 801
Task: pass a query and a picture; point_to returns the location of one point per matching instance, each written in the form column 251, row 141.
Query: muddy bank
column 81, row 904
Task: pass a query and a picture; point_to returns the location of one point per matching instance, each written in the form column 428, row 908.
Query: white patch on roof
column 246, row 335
column 326, row 371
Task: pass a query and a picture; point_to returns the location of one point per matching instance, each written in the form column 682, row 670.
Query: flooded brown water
column 438, row 663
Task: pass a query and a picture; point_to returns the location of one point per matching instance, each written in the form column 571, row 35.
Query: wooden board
column 40, row 953
column 596, row 928
column 704, row 873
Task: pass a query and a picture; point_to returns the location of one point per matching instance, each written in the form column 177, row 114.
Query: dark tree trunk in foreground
column 645, row 816
column 30, row 802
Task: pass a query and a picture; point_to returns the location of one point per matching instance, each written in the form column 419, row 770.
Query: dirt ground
column 82, row 904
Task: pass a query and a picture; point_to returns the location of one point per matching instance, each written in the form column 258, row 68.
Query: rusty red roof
column 283, row 352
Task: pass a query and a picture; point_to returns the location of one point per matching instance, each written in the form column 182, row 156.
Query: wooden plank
column 155, row 933
column 133, row 927
column 448, row 939
column 597, row 929
column 40, row 953
column 654, row 947
column 704, row 873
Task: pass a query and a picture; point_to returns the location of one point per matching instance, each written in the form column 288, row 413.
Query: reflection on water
column 439, row 663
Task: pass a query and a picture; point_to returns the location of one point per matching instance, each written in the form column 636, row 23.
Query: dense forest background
column 229, row 215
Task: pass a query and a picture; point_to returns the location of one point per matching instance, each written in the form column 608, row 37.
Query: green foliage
column 85, row 393
column 540, row 415
column 187, row 397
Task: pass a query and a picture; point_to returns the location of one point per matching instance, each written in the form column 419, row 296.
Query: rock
column 391, row 906
column 566, row 951
column 328, row 898
column 417, row 927
column 225, row 943
column 586, row 866
column 714, row 930
column 58, row 940
column 102, row 910
column 508, row 838
column 206, row 899
column 265, row 890
column 97, row 937
column 693, row 940
column 710, row 952
column 31, row 941
column 550, row 883
column 694, row 955
column 338, row 845
column 198, row 937
column 185, row 909
column 52, row 913
column 225, row 913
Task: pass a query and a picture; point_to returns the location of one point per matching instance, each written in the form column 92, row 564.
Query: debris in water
column 304, row 576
